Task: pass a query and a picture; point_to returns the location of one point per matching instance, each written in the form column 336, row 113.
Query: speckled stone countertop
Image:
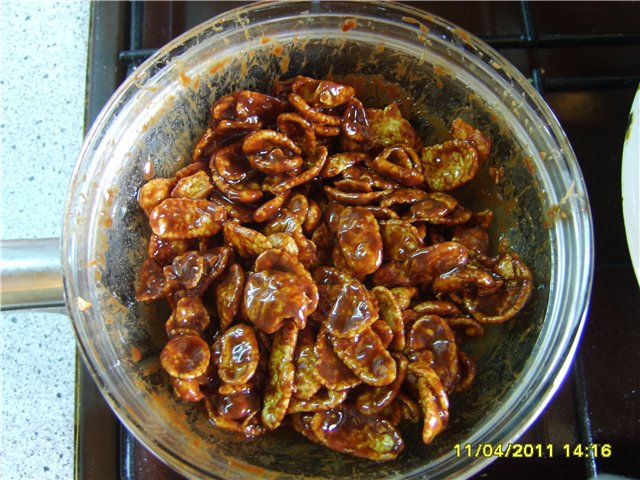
column 43, row 76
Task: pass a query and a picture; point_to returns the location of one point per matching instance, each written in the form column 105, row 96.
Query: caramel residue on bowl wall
column 556, row 211
column 216, row 67
column 105, row 219
column 110, row 194
column 528, row 162
column 152, row 88
column 185, row 80
column 244, row 68
column 376, row 90
column 255, row 471
column 148, row 169
column 284, row 64
column 410, row 20
column 496, row 174
column 136, row 354
column 348, row 24
column 551, row 215
column 83, row 305
column 196, row 83
column 438, row 72
column 423, row 28
column 464, row 36
column 151, row 367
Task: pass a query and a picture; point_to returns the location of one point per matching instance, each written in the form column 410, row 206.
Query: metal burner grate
column 132, row 57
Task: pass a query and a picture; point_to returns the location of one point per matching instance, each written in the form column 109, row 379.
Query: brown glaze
column 400, row 163
column 229, row 294
column 359, row 239
column 461, row 130
column 236, row 354
column 351, row 310
column 400, row 239
column 346, row 430
column 280, row 376
column 183, row 218
column 307, row 381
column 185, row 357
column 196, row 186
column 332, row 373
column 270, row 298
column 271, row 152
column 388, row 127
column 449, row 165
column 432, row 333
column 367, row 357
column 311, row 180
column 372, row 400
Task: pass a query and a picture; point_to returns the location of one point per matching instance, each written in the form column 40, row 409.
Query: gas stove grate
column 132, row 57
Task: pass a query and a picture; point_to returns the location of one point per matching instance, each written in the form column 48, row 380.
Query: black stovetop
column 585, row 59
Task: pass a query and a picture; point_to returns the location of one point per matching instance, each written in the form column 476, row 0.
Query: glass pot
column 440, row 72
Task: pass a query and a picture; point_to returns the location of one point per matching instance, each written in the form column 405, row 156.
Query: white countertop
column 43, row 75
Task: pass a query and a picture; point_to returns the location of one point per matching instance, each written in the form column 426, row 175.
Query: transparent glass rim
column 568, row 304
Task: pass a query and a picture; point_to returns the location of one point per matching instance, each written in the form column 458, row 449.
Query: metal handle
column 30, row 274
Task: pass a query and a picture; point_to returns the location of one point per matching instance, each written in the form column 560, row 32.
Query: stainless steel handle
column 30, row 274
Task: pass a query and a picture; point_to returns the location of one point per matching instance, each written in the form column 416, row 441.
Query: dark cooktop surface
column 585, row 59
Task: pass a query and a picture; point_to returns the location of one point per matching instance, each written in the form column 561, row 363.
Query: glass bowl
column 441, row 72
